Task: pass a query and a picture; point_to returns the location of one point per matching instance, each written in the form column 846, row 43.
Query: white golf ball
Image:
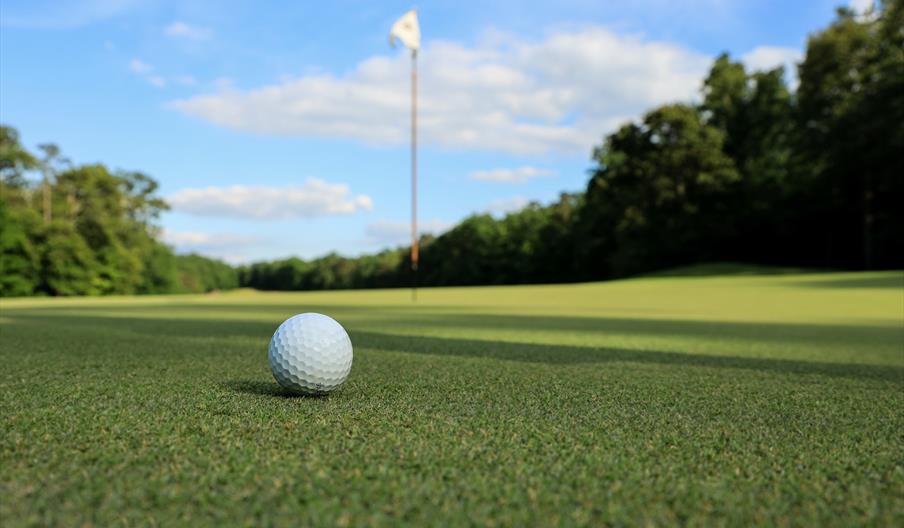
column 310, row 353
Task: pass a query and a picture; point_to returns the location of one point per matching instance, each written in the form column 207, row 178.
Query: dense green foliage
column 658, row 195
column 87, row 231
column 754, row 173
column 715, row 401
column 532, row 245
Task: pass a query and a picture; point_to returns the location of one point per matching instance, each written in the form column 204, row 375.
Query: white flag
column 407, row 30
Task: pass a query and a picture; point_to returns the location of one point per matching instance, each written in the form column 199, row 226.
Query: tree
column 160, row 271
column 50, row 165
column 198, row 274
column 19, row 264
column 15, row 161
column 469, row 253
column 559, row 248
column 754, row 113
column 851, row 106
column 68, row 266
column 98, row 235
column 657, row 196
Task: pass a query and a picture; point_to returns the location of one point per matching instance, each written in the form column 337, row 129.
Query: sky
column 280, row 129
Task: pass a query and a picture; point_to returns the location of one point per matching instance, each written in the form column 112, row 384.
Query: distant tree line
column 532, row 245
column 756, row 172
column 87, row 231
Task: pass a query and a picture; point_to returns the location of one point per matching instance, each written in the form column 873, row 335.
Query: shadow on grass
column 724, row 269
column 889, row 281
column 260, row 388
column 226, row 332
column 263, row 388
column 754, row 332
column 169, row 324
column 564, row 354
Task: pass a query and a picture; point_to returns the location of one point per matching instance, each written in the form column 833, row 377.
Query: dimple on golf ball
column 310, row 353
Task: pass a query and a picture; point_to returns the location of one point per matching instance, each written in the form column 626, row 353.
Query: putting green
column 769, row 399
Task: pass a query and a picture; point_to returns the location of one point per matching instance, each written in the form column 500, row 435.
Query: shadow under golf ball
column 265, row 388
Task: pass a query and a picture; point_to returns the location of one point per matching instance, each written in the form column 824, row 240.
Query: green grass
column 694, row 400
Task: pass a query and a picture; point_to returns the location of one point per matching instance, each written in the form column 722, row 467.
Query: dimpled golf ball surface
column 310, row 353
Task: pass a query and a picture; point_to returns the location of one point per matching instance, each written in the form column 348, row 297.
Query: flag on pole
column 407, row 30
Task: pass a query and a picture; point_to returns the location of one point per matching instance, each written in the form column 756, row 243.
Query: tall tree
column 851, row 106
column 68, row 266
column 19, row 262
column 657, row 195
column 19, row 259
column 15, row 160
column 51, row 163
column 754, row 113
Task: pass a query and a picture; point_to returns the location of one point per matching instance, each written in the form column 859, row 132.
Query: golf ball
column 310, row 353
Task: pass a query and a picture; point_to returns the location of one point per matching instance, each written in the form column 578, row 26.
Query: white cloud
column 224, row 84
column 198, row 240
column 506, row 205
column 224, row 246
column 140, row 67
column 146, row 72
column 519, row 175
column 179, row 29
column 385, row 232
column 769, row 57
column 861, row 6
column 313, row 198
column 558, row 94
column 865, row 9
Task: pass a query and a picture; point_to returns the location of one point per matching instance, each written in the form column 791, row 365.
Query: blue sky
column 277, row 129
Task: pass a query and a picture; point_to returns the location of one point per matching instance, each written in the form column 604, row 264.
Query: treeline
column 754, row 173
column 87, row 231
column 532, row 245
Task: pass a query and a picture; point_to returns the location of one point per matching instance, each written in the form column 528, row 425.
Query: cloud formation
column 179, row 29
column 146, row 72
column 385, row 232
column 225, row 246
column 198, row 240
column 861, row 6
column 769, row 57
column 506, row 205
column 140, row 67
column 313, row 198
column 514, row 176
column 558, row 94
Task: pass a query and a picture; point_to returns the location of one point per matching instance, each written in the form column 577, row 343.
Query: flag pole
column 407, row 30
column 414, row 237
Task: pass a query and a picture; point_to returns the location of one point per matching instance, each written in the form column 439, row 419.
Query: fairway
column 729, row 399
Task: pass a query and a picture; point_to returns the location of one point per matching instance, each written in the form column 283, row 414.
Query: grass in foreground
column 766, row 399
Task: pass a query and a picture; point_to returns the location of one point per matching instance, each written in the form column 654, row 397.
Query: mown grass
column 695, row 400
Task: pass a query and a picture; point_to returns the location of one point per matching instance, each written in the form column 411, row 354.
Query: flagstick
column 414, row 238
